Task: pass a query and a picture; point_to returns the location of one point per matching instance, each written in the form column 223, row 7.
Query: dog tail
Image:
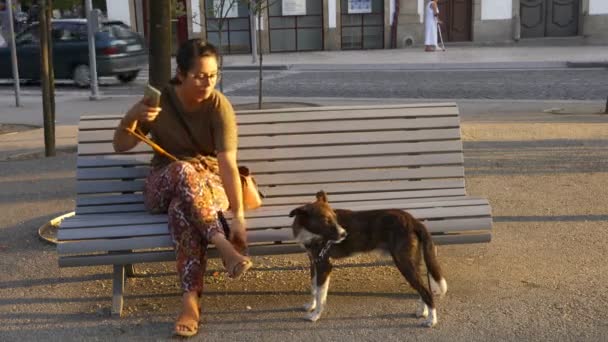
column 436, row 281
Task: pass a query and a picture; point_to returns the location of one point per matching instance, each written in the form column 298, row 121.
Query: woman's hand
column 142, row 112
column 238, row 234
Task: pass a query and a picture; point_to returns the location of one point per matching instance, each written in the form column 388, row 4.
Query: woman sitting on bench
column 196, row 123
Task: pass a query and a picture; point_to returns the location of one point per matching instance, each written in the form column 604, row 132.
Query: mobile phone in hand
column 152, row 95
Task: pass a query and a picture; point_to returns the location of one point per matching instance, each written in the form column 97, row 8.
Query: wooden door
column 562, row 18
column 549, row 18
column 456, row 17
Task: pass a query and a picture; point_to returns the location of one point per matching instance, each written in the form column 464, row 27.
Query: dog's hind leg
column 322, row 272
column 408, row 268
column 308, row 307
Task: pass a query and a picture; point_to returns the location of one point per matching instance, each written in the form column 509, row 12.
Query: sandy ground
column 542, row 278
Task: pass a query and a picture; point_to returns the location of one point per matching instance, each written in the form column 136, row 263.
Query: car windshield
column 30, row 36
column 117, row 30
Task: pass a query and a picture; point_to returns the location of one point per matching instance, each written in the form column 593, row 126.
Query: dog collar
column 325, row 249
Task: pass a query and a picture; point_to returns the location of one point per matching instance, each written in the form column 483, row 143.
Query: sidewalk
column 470, row 56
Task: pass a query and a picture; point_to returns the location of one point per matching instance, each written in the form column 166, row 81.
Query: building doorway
column 549, row 18
column 456, row 16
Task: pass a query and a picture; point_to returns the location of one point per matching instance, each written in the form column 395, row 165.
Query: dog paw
column 428, row 323
column 422, row 311
column 313, row 316
column 308, row 307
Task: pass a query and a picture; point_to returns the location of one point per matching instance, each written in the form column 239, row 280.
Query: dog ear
column 322, row 196
column 297, row 211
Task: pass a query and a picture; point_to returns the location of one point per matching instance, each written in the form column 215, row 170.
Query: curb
column 587, row 64
column 275, row 67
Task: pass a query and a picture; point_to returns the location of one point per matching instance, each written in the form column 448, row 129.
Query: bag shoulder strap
column 180, row 117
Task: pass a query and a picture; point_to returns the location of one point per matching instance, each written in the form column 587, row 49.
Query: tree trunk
column 160, row 43
column 47, row 77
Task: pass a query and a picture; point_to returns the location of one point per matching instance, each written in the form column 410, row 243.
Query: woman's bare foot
column 236, row 264
column 188, row 321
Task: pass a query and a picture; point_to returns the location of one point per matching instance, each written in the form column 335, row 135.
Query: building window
column 297, row 32
column 363, row 30
column 235, row 27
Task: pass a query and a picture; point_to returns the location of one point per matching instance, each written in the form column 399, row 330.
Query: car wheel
column 82, row 75
column 127, row 76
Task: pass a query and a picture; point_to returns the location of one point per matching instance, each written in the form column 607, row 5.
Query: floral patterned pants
column 191, row 196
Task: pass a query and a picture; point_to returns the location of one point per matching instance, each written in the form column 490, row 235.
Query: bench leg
column 130, row 271
column 118, row 287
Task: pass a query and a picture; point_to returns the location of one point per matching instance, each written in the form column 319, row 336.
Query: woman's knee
column 182, row 167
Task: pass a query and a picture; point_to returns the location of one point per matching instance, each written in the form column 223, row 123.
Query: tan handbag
column 252, row 198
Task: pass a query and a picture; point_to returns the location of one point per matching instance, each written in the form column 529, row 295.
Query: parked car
column 120, row 52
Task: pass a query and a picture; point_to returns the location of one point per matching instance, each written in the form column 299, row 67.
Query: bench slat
column 284, row 248
column 280, row 111
column 141, row 159
column 288, row 153
column 278, row 217
column 106, row 136
column 159, row 256
column 349, row 114
column 346, row 125
column 84, row 201
column 307, row 114
column 100, row 187
column 122, row 207
column 451, row 225
column 359, row 187
column 151, row 242
column 279, row 178
column 292, row 165
column 371, row 125
column 335, row 188
column 283, row 208
column 97, row 186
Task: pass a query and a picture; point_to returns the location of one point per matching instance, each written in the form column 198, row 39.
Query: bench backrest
column 353, row 153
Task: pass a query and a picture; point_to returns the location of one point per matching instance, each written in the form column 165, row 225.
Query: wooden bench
column 367, row 157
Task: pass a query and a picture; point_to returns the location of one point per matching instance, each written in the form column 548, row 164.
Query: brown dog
column 326, row 233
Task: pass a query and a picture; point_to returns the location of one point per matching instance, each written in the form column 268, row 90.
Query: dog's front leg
column 322, row 272
column 308, row 307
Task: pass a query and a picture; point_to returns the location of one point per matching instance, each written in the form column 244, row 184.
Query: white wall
column 421, row 9
column 119, row 10
column 497, row 9
column 598, row 7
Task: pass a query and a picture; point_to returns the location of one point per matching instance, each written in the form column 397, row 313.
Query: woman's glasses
column 204, row 77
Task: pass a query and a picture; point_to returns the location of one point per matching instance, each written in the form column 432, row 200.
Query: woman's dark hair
column 189, row 52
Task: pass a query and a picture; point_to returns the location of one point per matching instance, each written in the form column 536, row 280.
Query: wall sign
column 359, row 6
column 294, row 7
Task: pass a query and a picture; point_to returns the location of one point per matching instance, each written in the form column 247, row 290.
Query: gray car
column 120, row 51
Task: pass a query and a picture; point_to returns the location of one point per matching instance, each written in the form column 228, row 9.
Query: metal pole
column 11, row 27
column 261, row 59
column 46, row 73
column 88, row 8
column 252, row 26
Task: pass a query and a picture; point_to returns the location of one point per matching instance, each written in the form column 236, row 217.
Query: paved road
column 534, row 84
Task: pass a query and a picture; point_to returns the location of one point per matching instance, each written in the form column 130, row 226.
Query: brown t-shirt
column 213, row 127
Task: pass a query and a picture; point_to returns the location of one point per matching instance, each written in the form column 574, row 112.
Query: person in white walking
column 431, row 19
